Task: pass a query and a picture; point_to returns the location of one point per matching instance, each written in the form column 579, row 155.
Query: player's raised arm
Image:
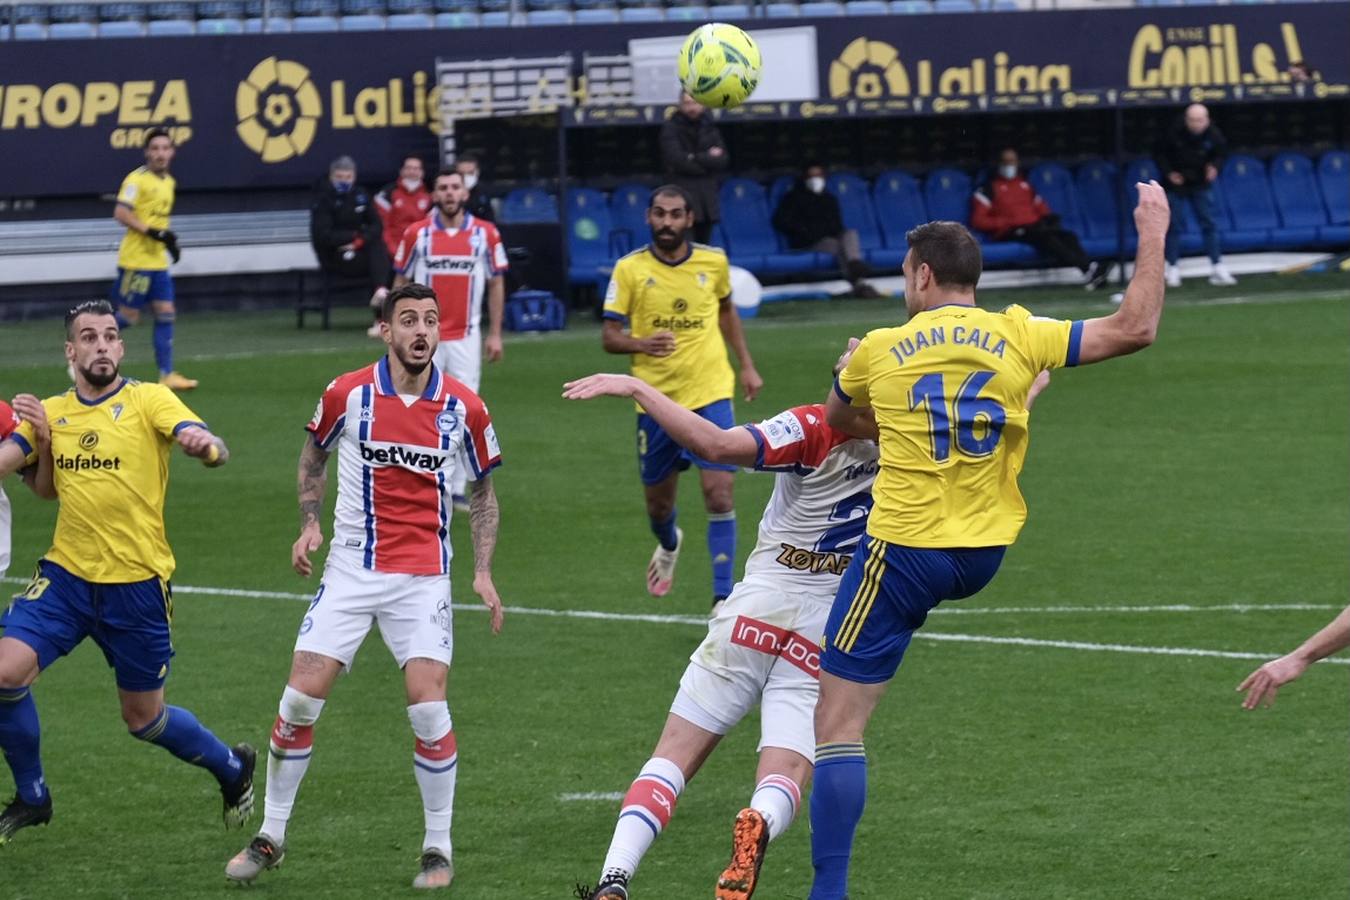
column 1134, row 325
column 1262, row 684
column 729, row 321
column 312, row 484
column 484, row 520
column 733, row 446
column 199, row 443
column 39, row 477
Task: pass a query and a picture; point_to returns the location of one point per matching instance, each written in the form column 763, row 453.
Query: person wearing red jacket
column 1007, row 208
column 403, row 202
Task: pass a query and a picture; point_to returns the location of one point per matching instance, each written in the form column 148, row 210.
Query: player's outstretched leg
column 261, row 854
column 178, row 731
column 749, row 840
column 773, row 807
column 20, row 738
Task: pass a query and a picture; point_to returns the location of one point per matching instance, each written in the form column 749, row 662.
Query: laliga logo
column 863, row 66
column 278, row 109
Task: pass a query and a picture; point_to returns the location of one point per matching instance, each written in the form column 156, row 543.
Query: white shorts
column 412, row 612
column 763, row 648
column 462, row 360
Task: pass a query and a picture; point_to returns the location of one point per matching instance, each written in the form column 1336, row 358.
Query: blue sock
column 179, row 732
column 20, row 738
column 837, row 802
column 665, row 531
column 722, row 549
column 164, row 344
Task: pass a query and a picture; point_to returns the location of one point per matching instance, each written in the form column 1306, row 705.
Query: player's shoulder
column 706, row 256
column 465, row 397
column 797, row 439
column 347, row 381
column 488, row 226
column 137, row 174
column 633, row 258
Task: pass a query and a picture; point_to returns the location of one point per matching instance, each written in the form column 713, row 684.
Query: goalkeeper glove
column 168, row 239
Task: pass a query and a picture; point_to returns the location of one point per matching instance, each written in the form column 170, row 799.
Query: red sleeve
column 496, row 250
column 9, row 420
column 480, row 440
column 796, row 440
column 1042, row 208
column 406, row 254
column 330, row 415
column 982, row 215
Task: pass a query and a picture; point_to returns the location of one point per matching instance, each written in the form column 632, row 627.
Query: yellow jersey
column 111, row 460
column 949, row 390
column 650, row 295
column 150, row 197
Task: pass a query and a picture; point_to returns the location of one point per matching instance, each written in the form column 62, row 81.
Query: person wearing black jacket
column 809, row 217
column 1190, row 155
column 478, row 205
column 694, row 155
column 347, row 233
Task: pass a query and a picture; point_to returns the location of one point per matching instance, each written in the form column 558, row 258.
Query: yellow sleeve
column 168, row 414
column 852, row 384
column 23, row 436
column 131, row 188
column 619, row 297
column 1051, row 343
column 723, row 284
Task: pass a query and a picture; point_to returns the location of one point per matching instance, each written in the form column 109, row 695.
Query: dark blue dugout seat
column 1099, row 208
column 910, row 7
column 1333, row 174
column 855, row 206
column 1293, row 184
column 1145, row 169
column 589, row 231
column 782, row 11
column 686, row 12
column 899, row 205
column 1251, row 208
column 548, row 17
column 752, row 242
column 947, row 194
column 777, row 188
column 529, row 206
column 628, row 217
column 642, row 14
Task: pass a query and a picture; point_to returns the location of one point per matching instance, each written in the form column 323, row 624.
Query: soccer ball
column 719, row 65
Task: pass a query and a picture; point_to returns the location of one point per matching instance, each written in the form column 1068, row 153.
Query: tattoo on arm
column 313, row 482
column 483, row 521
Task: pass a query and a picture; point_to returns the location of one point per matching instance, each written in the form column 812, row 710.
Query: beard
column 410, row 366
column 668, row 239
column 101, row 378
column 449, row 209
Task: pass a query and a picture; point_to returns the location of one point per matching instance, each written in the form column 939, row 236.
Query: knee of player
column 659, row 508
column 140, row 717
column 719, row 499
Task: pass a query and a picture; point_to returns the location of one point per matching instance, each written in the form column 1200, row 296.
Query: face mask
column 815, row 185
column 342, row 187
column 412, row 185
column 1007, row 171
column 471, row 180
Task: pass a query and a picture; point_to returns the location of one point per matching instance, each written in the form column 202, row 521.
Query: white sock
column 646, row 811
column 776, row 798
column 288, row 758
column 435, row 764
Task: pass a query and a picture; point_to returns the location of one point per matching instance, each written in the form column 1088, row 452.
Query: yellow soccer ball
column 719, row 65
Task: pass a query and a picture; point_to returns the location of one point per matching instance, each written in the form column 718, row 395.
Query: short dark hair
column 410, row 291
column 950, row 251
column 157, row 132
column 444, row 171
column 468, row 157
column 414, row 157
column 671, row 190
column 90, row 308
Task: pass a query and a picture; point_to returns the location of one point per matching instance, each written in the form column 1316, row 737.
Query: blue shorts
column 129, row 622
column 137, row 287
column 658, row 455
column 884, row 597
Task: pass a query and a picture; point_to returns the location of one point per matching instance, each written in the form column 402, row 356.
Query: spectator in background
column 809, row 217
column 403, row 202
column 347, row 234
column 1007, row 208
column 478, row 205
column 1190, row 156
column 694, row 155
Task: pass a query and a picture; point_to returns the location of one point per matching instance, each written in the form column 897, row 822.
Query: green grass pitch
column 1209, row 472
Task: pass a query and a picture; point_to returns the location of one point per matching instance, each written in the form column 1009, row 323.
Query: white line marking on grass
column 958, row 610
column 929, row 635
column 587, row 796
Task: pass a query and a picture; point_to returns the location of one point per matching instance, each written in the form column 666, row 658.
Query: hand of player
column 1211, row 173
column 844, row 357
column 1176, row 178
column 492, row 348
column 1152, row 216
column 1262, row 684
column 196, row 441
column 600, row 385
column 660, row 344
column 751, row 383
column 311, row 539
column 484, row 588
column 30, row 410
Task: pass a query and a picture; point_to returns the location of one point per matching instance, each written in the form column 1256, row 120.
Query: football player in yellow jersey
column 669, row 307
column 143, row 206
column 107, row 573
column 948, row 390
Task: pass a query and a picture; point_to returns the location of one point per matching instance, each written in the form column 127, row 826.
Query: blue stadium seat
column 1005, row 6
column 749, row 229
column 176, row 28
column 778, row 187
column 529, row 205
column 1293, row 184
column 628, row 215
column 1055, row 186
column 899, row 205
column 410, row 21
column 946, row 195
column 363, row 22
column 456, row 20
column 121, row 29
column 220, row 9
column 781, row 10
column 314, row 24
column 589, row 226
column 408, row 7
column 679, row 12
column 548, row 17
column 274, row 25
column 596, row 16
column 1333, row 174
column 821, row 9
column 71, row 30
column 121, row 12
column 953, row 6
column 726, row 12
column 855, row 206
column 456, row 6
column 1145, row 169
column 171, row 12
column 866, row 8
column 1099, row 208
column 910, row 7
column 30, row 31
column 1252, row 208
column 642, row 14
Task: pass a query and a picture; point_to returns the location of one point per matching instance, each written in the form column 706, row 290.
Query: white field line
column 929, row 635
column 591, row 796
